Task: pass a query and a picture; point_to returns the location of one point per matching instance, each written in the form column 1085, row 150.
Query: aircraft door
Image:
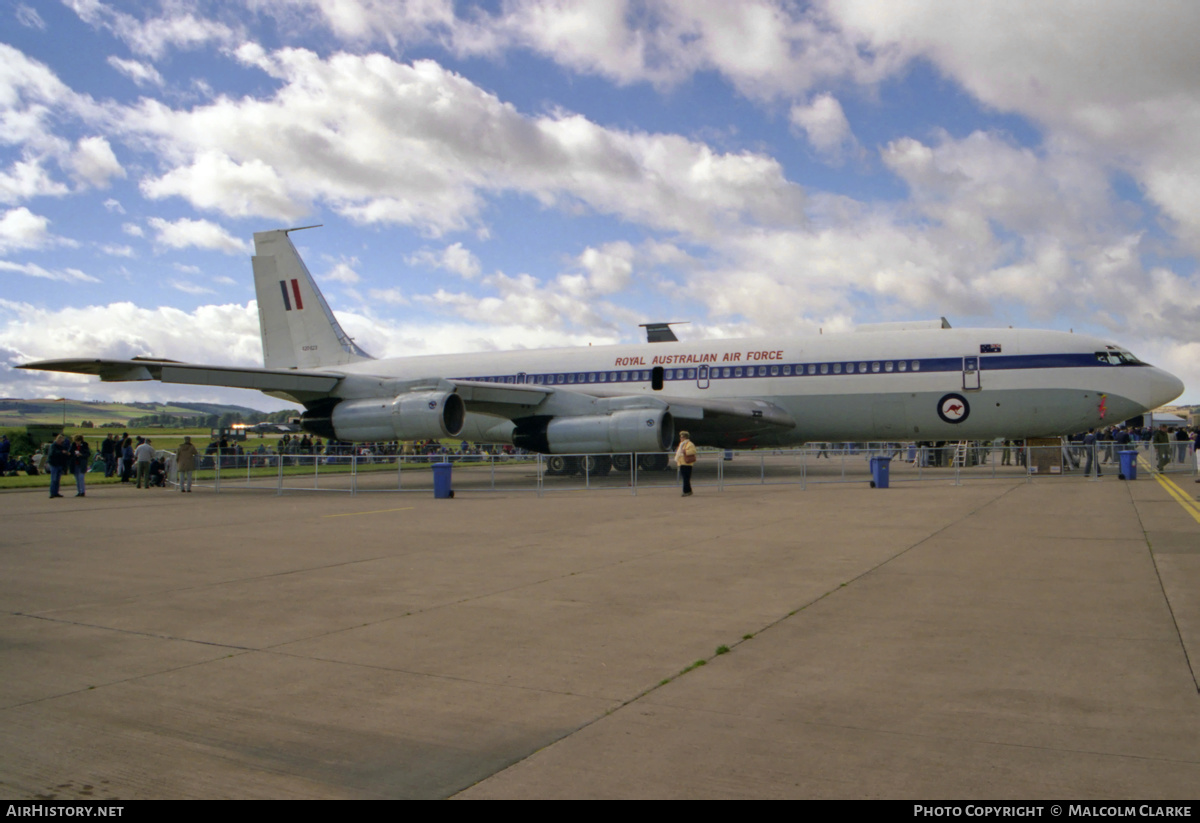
column 521, row 376
column 971, row 369
column 702, row 377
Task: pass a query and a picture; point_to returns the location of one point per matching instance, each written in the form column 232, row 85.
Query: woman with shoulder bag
column 685, row 458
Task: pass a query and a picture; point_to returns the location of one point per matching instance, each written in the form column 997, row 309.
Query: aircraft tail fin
column 298, row 329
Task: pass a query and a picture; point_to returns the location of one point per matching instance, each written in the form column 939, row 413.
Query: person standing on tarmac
column 1162, row 446
column 685, row 458
column 185, row 464
column 81, row 461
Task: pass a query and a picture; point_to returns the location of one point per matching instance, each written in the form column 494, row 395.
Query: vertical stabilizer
column 298, row 329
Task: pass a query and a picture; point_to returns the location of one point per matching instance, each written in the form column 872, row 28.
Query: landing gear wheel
column 621, row 462
column 652, row 462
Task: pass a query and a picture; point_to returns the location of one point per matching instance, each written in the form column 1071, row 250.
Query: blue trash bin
column 880, row 467
column 1128, row 464
column 441, row 481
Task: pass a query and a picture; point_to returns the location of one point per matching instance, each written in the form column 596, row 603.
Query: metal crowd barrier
column 828, row 463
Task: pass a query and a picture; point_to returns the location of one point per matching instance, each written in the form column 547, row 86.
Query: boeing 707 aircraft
column 887, row 382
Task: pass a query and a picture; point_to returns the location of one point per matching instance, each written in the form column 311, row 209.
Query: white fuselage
column 880, row 385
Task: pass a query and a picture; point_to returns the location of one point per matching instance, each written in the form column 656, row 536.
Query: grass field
column 50, row 411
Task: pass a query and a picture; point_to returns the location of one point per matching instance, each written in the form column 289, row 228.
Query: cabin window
column 837, row 368
column 725, row 372
column 812, row 369
column 570, row 378
column 774, row 370
column 862, row 368
column 691, row 374
column 788, row 370
column 903, row 365
column 762, row 371
column 737, row 372
column 591, row 377
column 916, row 365
column 624, row 376
column 887, row 366
column 824, row 368
column 875, row 368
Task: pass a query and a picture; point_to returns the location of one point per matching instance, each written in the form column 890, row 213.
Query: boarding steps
column 960, row 454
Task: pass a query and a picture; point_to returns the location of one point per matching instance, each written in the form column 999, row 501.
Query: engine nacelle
column 629, row 430
column 409, row 416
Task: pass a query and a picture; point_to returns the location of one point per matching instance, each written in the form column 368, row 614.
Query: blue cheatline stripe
column 287, row 303
column 987, row 363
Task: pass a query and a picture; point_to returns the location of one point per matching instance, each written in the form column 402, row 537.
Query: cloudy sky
column 530, row 173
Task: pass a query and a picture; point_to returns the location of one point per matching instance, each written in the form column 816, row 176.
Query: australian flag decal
column 984, row 348
column 287, row 302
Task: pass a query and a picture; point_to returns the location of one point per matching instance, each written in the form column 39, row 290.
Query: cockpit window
column 1113, row 356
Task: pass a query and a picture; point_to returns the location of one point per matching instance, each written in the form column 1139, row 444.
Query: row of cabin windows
column 714, row 372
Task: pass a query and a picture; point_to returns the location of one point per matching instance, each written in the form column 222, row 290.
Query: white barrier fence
column 814, row 464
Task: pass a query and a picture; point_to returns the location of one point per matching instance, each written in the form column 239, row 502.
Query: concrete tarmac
column 999, row 639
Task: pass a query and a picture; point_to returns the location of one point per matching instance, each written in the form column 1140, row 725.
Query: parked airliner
column 921, row 381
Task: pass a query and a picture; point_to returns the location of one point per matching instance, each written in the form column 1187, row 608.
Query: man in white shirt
column 143, row 454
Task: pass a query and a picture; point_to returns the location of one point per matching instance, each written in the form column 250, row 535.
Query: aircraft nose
column 1164, row 387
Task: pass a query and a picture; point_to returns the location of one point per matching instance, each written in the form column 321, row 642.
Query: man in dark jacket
column 60, row 461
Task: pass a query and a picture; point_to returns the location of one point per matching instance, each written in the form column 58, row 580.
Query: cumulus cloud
column 190, row 287
column 393, row 296
column 152, row 37
column 22, row 229
column 343, row 271
column 31, row 98
column 67, row 275
column 143, row 74
column 215, row 182
column 1123, row 83
column 28, row 17
column 27, row 179
column 382, row 141
column 763, row 48
column 201, row 234
column 825, row 124
column 609, row 268
column 94, row 163
column 453, row 258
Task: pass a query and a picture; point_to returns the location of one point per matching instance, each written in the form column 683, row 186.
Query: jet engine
column 628, row 430
column 409, row 416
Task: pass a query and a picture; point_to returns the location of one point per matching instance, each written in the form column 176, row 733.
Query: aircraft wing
column 171, row 371
column 717, row 422
column 477, row 393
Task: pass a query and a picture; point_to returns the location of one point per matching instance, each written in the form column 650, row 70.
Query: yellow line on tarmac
column 377, row 511
column 1181, row 497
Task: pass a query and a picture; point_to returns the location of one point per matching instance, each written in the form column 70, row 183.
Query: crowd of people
column 136, row 460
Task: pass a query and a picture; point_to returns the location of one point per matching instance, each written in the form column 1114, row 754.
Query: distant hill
column 16, row 413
